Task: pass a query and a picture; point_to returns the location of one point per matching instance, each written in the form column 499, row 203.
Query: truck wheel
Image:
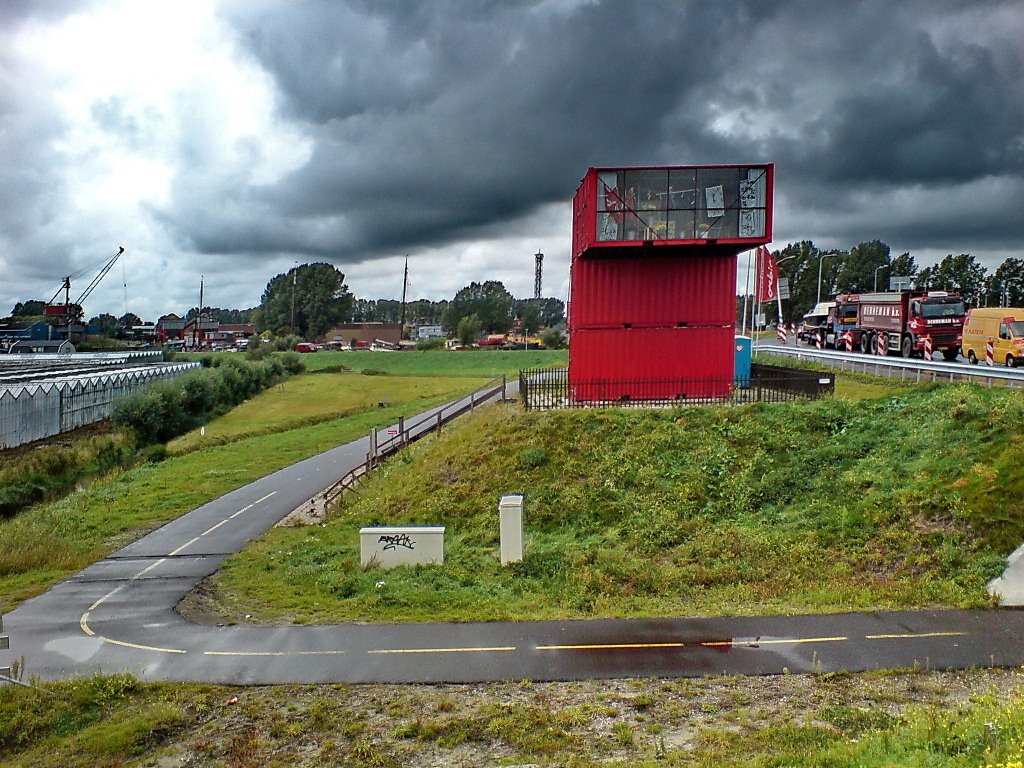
column 951, row 354
column 971, row 357
column 1011, row 361
column 906, row 347
column 865, row 343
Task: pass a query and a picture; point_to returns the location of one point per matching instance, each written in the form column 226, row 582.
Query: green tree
column 319, row 296
column 799, row 262
column 1006, row 288
column 901, row 266
column 30, row 308
column 129, row 320
column 468, row 330
column 552, row 338
column 106, row 323
column 489, row 301
column 858, row 270
column 552, row 311
column 962, row 274
column 529, row 320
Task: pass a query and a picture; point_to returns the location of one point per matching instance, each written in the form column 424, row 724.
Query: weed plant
column 907, row 501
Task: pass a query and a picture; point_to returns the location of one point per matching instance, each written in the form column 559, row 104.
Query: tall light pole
column 883, row 266
column 295, row 275
column 821, row 259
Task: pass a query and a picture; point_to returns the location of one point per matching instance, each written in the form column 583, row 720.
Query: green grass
column 902, row 501
column 472, row 362
column 865, row 721
column 312, row 399
column 48, row 542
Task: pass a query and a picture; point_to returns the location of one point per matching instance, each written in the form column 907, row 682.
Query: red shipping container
column 651, row 363
column 664, row 292
column 618, row 210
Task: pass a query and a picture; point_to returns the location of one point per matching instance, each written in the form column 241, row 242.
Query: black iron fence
column 543, row 388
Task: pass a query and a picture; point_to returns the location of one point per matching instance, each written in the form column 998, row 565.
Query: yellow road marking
column 445, row 650
column 84, row 621
column 273, row 653
column 911, row 635
column 788, row 641
column 606, row 646
column 141, row 647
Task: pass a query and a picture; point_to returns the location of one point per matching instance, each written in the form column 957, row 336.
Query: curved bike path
column 118, row 614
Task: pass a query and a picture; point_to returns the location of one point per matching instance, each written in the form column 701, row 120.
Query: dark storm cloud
column 438, row 123
column 432, row 122
column 431, row 125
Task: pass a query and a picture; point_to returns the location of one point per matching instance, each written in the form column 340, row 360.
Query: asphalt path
column 118, row 614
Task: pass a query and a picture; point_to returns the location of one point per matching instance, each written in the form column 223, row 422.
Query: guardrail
column 404, row 433
column 891, row 367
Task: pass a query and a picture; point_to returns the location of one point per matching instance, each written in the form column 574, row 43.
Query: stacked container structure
column 653, row 278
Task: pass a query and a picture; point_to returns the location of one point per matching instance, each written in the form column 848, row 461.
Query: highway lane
column 118, row 614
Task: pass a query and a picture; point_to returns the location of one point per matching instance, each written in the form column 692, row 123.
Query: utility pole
column 405, row 286
column 295, row 275
column 538, row 264
column 199, row 313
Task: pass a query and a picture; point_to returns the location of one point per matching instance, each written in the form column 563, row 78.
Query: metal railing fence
column 404, row 433
column 548, row 388
column 902, row 368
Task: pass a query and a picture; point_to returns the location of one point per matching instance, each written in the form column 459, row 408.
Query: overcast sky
column 234, row 139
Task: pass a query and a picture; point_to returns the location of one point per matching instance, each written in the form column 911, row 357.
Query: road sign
column 900, row 282
column 392, row 432
column 783, row 287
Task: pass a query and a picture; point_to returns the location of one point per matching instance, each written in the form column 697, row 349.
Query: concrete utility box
column 510, row 510
column 392, row 546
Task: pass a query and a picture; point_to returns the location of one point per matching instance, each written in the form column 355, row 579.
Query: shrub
column 552, row 338
column 292, row 362
column 428, row 345
column 171, row 408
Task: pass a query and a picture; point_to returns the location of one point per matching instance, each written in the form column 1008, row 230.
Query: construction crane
column 71, row 312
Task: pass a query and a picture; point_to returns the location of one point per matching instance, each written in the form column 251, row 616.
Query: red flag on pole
column 768, row 276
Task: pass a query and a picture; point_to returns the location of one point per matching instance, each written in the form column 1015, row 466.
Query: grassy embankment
column 902, row 501
column 305, row 415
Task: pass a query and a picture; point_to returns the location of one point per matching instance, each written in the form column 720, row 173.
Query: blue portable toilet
column 743, row 346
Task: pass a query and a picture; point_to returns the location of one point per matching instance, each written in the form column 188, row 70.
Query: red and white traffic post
column 882, row 345
column 928, row 348
column 990, row 355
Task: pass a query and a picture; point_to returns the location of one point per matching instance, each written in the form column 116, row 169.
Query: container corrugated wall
column 664, row 292
column 651, row 363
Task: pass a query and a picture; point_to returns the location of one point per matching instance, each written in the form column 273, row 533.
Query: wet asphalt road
column 118, row 614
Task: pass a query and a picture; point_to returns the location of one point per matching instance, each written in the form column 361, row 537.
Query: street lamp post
column 883, row 266
column 820, row 260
